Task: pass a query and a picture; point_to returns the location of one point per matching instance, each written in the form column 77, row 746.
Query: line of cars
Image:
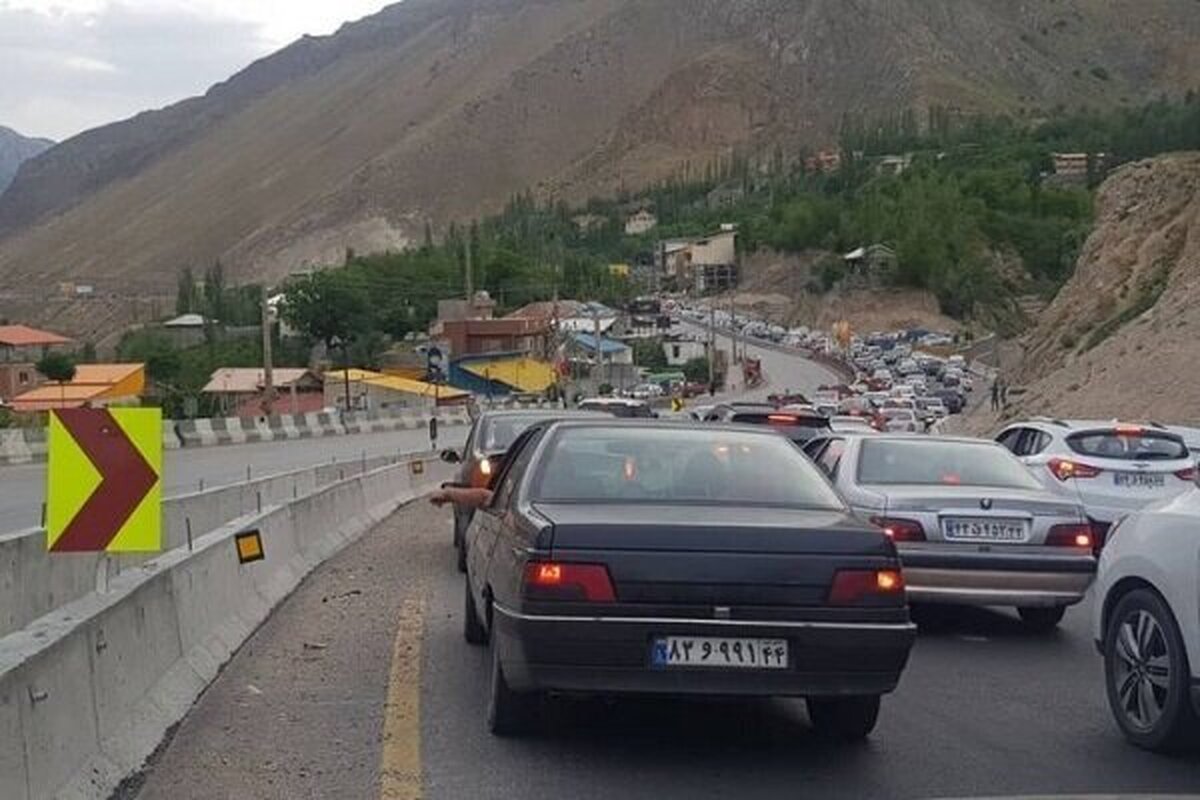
column 710, row 557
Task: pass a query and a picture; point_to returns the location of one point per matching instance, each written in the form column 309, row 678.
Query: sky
column 70, row 65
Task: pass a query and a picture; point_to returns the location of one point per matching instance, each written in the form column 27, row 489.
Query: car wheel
column 845, row 718
column 1147, row 674
column 473, row 630
column 509, row 713
column 1042, row 620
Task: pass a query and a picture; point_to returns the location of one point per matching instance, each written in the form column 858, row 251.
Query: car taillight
column 1079, row 534
column 900, row 530
column 858, row 587
column 1188, row 474
column 1065, row 469
column 550, row 580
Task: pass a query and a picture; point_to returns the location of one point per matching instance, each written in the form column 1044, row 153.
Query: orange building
column 94, row 385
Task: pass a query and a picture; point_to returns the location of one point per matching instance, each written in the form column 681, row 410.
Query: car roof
column 659, row 424
column 547, row 413
column 1076, row 425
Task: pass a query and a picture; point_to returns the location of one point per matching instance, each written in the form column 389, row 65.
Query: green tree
column 57, row 367
column 649, row 353
column 328, row 306
column 187, row 301
column 214, row 292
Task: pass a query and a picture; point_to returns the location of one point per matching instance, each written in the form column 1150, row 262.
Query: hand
column 440, row 498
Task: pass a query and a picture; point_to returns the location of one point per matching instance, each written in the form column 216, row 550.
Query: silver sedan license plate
column 983, row 529
column 1139, row 480
column 709, row 651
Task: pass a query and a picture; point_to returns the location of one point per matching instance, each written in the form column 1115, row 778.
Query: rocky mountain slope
column 1119, row 340
column 15, row 150
column 436, row 110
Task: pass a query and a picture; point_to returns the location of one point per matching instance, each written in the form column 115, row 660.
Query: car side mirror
column 451, row 456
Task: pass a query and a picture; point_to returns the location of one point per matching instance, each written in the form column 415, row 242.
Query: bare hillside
column 436, row 110
column 1119, row 340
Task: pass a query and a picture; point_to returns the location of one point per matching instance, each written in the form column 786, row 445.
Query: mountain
column 15, row 150
column 441, row 110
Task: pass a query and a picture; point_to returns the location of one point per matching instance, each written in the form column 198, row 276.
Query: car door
column 484, row 536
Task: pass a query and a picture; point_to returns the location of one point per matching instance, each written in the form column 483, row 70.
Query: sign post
column 104, row 486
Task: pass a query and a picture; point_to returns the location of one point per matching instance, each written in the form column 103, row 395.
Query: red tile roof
column 24, row 336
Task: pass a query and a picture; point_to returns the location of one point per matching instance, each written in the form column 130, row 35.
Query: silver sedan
column 973, row 527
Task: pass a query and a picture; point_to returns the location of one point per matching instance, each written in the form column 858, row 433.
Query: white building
column 642, row 222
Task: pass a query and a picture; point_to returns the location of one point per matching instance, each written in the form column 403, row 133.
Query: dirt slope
column 1120, row 338
column 442, row 109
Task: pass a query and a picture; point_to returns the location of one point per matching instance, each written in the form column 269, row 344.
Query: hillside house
column 241, row 392
column 20, row 348
column 642, row 222
column 94, row 386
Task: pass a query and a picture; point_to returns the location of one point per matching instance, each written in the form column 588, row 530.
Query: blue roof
column 607, row 346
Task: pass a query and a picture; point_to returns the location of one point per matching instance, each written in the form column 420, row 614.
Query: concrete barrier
column 34, row 583
column 88, row 692
column 13, row 448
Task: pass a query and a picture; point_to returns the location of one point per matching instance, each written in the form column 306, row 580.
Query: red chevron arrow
column 126, row 478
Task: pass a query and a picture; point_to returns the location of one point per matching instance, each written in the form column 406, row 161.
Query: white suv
column 1146, row 622
column 1111, row 468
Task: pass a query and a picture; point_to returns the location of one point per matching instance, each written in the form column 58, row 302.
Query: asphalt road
column 361, row 686
column 783, row 371
column 23, row 487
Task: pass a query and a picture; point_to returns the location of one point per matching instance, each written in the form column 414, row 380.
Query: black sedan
column 651, row 558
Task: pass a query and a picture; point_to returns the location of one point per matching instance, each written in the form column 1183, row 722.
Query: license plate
column 1139, row 480
column 707, row 651
column 984, row 529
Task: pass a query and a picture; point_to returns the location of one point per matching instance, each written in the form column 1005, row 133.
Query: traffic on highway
column 785, row 548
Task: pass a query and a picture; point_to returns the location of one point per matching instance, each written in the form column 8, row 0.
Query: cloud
column 69, row 65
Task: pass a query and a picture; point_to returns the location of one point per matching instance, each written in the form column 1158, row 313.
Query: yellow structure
column 377, row 391
column 94, row 385
column 521, row 373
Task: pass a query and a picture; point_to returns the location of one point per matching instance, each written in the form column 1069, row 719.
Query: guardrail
column 88, row 692
column 34, row 582
column 28, row 445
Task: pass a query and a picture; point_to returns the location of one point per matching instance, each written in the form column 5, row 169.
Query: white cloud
column 83, row 63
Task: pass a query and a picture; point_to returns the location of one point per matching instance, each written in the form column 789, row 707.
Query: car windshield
column 684, row 465
column 1134, row 444
column 936, row 462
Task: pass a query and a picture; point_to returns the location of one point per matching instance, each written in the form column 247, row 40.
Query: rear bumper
column 611, row 655
column 988, row 579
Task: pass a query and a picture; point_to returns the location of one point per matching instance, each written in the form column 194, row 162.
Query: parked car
column 972, row 525
column 954, row 401
column 604, row 540
column 1146, row 622
column 1110, row 468
column 482, row 457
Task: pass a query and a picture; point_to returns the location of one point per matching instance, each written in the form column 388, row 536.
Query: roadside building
column 94, row 386
column 241, row 392
column 705, row 264
column 20, row 348
column 865, row 266
column 503, row 374
column 611, row 351
column 377, row 391
column 186, row 330
column 472, row 337
column 679, row 350
column 480, row 307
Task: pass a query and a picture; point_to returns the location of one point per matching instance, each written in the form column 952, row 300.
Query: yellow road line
column 400, row 762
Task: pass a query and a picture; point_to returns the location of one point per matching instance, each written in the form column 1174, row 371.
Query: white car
column 901, row 420
column 1146, row 622
column 1111, row 468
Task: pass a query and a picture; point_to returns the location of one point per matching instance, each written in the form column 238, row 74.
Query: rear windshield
column 940, row 463
column 684, row 465
column 623, row 410
column 1134, row 445
column 897, row 413
column 499, row 433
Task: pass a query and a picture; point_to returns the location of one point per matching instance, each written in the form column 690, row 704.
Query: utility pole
column 599, row 351
column 733, row 342
column 268, row 403
column 712, row 347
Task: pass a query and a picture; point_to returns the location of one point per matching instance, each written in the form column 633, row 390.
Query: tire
column 1042, row 620
column 473, row 630
column 1141, row 642
column 460, row 544
column 847, row 719
column 509, row 713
